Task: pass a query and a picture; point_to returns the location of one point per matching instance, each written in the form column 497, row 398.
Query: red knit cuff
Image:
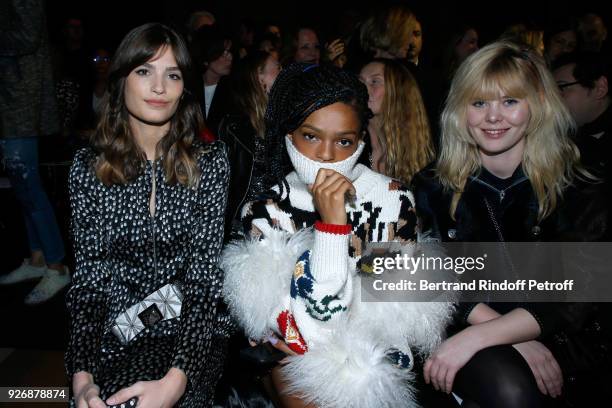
column 333, row 228
column 291, row 333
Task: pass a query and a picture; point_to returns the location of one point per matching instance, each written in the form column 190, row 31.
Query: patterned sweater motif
column 321, row 289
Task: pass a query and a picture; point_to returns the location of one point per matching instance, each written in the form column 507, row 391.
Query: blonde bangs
column 500, row 78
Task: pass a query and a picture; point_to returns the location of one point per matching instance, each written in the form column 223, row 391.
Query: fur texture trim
column 419, row 324
column 256, row 272
column 351, row 372
column 350, row 367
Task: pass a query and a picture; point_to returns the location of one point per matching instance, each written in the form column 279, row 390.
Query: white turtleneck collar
column 306, row 171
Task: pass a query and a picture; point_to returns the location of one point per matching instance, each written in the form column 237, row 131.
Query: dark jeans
column 20, row 158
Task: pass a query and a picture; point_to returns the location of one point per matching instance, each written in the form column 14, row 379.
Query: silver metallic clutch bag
column 163, row 304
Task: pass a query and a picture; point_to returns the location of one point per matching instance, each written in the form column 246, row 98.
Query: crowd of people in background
column 279, row 143
column 80, row 67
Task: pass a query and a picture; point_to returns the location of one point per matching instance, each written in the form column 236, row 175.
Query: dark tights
column 497, row 377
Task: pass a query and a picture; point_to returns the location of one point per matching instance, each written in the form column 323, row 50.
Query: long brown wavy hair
column 120, row 159
column 404, row 123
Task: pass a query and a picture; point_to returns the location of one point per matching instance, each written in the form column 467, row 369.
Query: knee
column 499, row 377
column 508, row 394
column 517, row 394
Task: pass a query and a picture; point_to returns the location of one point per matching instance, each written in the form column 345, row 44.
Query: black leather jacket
column 581, row 215
column 578, row 334
column 245, row 155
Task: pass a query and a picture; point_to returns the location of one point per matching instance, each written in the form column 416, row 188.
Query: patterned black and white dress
column 123, row 254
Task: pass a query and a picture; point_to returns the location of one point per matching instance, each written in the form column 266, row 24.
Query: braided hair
column 299, row 90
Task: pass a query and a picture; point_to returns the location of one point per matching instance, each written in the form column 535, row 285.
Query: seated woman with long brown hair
column 147, row 220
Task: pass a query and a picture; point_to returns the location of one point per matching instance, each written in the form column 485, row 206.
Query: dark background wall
column 106, row 21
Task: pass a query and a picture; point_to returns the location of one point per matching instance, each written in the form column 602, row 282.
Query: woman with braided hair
column 301, row 260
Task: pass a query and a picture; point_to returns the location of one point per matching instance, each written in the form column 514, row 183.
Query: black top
column 581, row 214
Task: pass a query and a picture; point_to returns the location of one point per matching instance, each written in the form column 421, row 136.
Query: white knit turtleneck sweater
column 304, row 284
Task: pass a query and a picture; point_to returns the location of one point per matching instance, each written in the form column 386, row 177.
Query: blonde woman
column 508, row 171
column 399, row 131
column 388, row 33
column 525, row 34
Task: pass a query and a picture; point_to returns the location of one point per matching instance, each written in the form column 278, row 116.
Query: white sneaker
column 24, row 273
column 48, row 287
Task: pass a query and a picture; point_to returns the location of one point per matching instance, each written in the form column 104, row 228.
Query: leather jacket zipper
column 246, row 192
column 232, row 133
